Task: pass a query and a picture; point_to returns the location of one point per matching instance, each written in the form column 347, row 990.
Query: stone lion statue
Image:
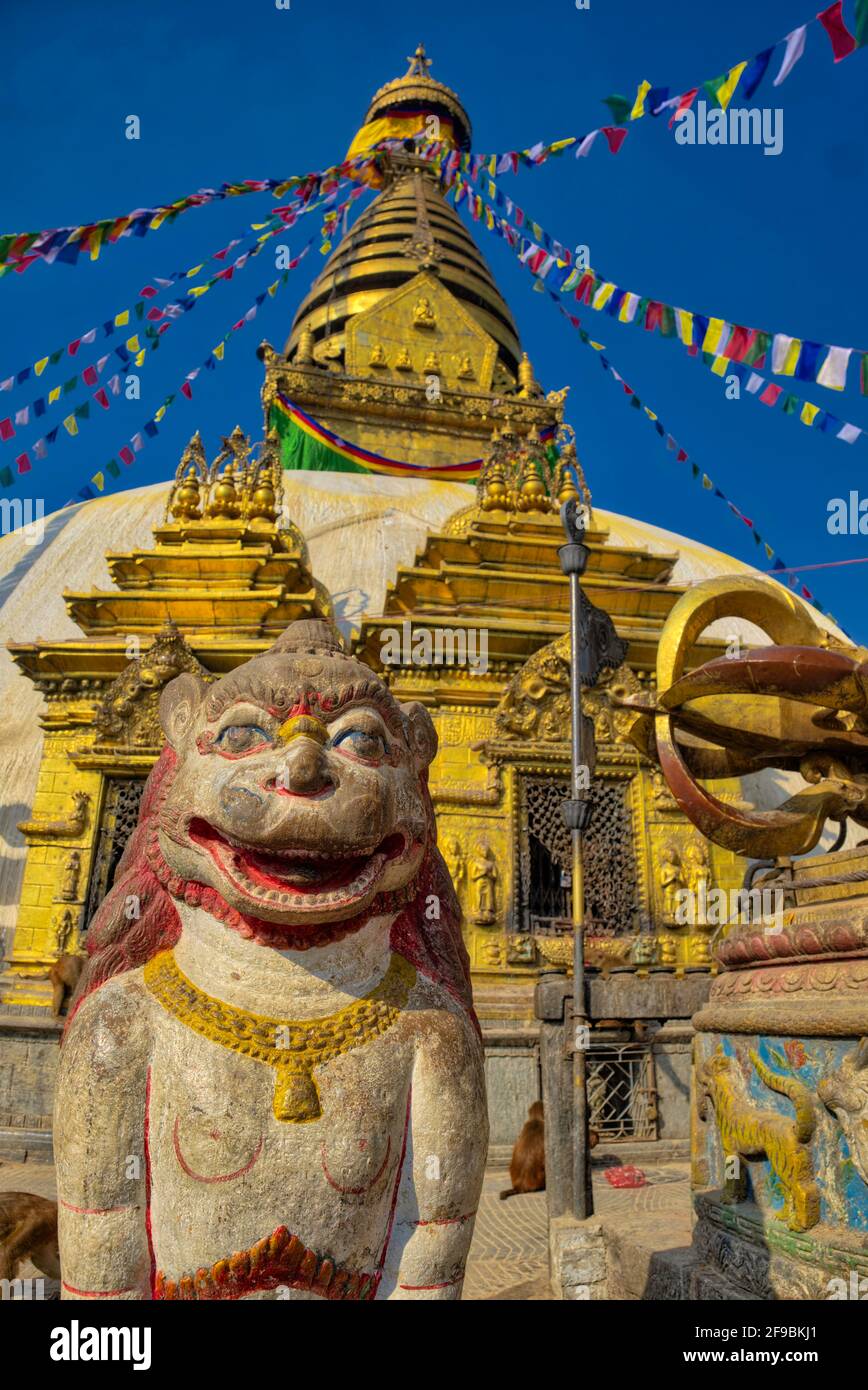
column 271, row 1083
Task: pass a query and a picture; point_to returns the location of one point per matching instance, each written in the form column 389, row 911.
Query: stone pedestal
column 577, row 1259
column 780, row 1099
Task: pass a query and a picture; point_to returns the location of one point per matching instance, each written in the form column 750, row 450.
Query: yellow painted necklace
column 292, row 1047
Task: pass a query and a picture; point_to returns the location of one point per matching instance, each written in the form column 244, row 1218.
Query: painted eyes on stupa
column 241, row 738
column 361, row 743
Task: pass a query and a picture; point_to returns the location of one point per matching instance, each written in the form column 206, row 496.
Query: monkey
column 64, row 975
column 527, row 1170
column 28, row 1230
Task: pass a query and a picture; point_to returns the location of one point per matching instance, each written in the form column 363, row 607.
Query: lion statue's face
column 299, row 790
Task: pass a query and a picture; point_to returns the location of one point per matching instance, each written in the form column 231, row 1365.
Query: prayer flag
column 794, row 50
column 842, row 41
column 756, row 71
column 833, row 372
column 639, row 104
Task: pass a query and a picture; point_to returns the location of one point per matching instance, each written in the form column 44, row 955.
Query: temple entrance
column 611, row 895
column 120, row 814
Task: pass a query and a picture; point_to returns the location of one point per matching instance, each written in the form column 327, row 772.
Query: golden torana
column 292, row 1047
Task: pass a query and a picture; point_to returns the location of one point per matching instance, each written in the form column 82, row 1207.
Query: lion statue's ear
column 179, row 705
column 421, row 734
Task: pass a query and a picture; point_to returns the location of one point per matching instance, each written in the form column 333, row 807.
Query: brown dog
column 28, row 1231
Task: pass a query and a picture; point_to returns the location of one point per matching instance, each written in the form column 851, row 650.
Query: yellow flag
column 140, row 357
column 198, row 290
column 54, row 395
column 639, row 103
column 713, row 335
column 39, row 367
column 792, row 357
column 122, row 319
column 603, row 295
column 684, row 322
column 724, row 93
column 133, row 343
column 219, row 351
column 809, row 413
column 99, row 479
column 70, row 424
column 193, row 271
column 719, row 365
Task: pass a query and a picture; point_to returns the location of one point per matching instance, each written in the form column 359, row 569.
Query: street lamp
column 577, row 814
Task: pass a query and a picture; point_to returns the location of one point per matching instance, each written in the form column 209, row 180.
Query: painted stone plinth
column 780, row 1100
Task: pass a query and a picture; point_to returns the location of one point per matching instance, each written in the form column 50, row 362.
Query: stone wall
column 29, row 1050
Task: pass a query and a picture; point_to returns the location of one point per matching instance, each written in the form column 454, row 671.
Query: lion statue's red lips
column 300, row 876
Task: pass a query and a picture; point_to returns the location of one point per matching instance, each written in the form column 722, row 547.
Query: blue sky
column 227, row 92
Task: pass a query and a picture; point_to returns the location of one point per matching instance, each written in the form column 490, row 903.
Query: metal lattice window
column 120, row 815
column 622, row 1097
column 546, row 856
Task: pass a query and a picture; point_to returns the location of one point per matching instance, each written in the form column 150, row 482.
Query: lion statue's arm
column 444, row 1162
column 100, row 1144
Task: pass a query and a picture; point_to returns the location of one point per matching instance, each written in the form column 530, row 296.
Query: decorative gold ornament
column 403, row 361
column 378, row 356
column 423, row 314
column 291, row 1047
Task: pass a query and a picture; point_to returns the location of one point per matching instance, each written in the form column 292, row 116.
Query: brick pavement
column 509, row 1255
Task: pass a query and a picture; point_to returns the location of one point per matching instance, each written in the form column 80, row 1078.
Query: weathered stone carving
column 749, row 1132
column 273, row 1077
column 845, row 1093
column 67, row 828
column 129, row 711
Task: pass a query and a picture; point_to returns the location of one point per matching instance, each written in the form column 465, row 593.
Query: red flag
column 148, row 292
column 101, row 397
column 685, row 101
column 681, row 456
column 187, row 391
column 74, row 346
column 653, row 315
column 842, row 41
column 585, row 288
column 770, row 394
column 89, row 376
column 126, row 455
column 616, row 135
column 154, row 314
column 23, row 463
column 739, row 343
column 7, row 429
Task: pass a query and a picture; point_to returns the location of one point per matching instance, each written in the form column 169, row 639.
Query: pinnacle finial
column 419, row 64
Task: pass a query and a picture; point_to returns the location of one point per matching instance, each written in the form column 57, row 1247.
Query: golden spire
column 419, row 64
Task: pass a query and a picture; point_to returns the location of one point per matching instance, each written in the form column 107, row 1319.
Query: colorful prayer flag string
column 19, row 250
column 823, row 363
column 127, row 454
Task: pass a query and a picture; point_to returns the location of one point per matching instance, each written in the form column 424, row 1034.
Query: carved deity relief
column 423, row 313
column 453, row 856
column 71, row 875
column 284, row 1025
column 482, row 877
column 845, row 1094
column 671, row 878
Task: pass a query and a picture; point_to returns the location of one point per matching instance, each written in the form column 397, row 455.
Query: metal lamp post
column 577, row 813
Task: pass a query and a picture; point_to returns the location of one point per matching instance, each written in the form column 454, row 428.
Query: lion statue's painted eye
column 363, row 743
column 241, row 738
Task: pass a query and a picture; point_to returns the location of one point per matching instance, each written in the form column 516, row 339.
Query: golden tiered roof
column 408, row 228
